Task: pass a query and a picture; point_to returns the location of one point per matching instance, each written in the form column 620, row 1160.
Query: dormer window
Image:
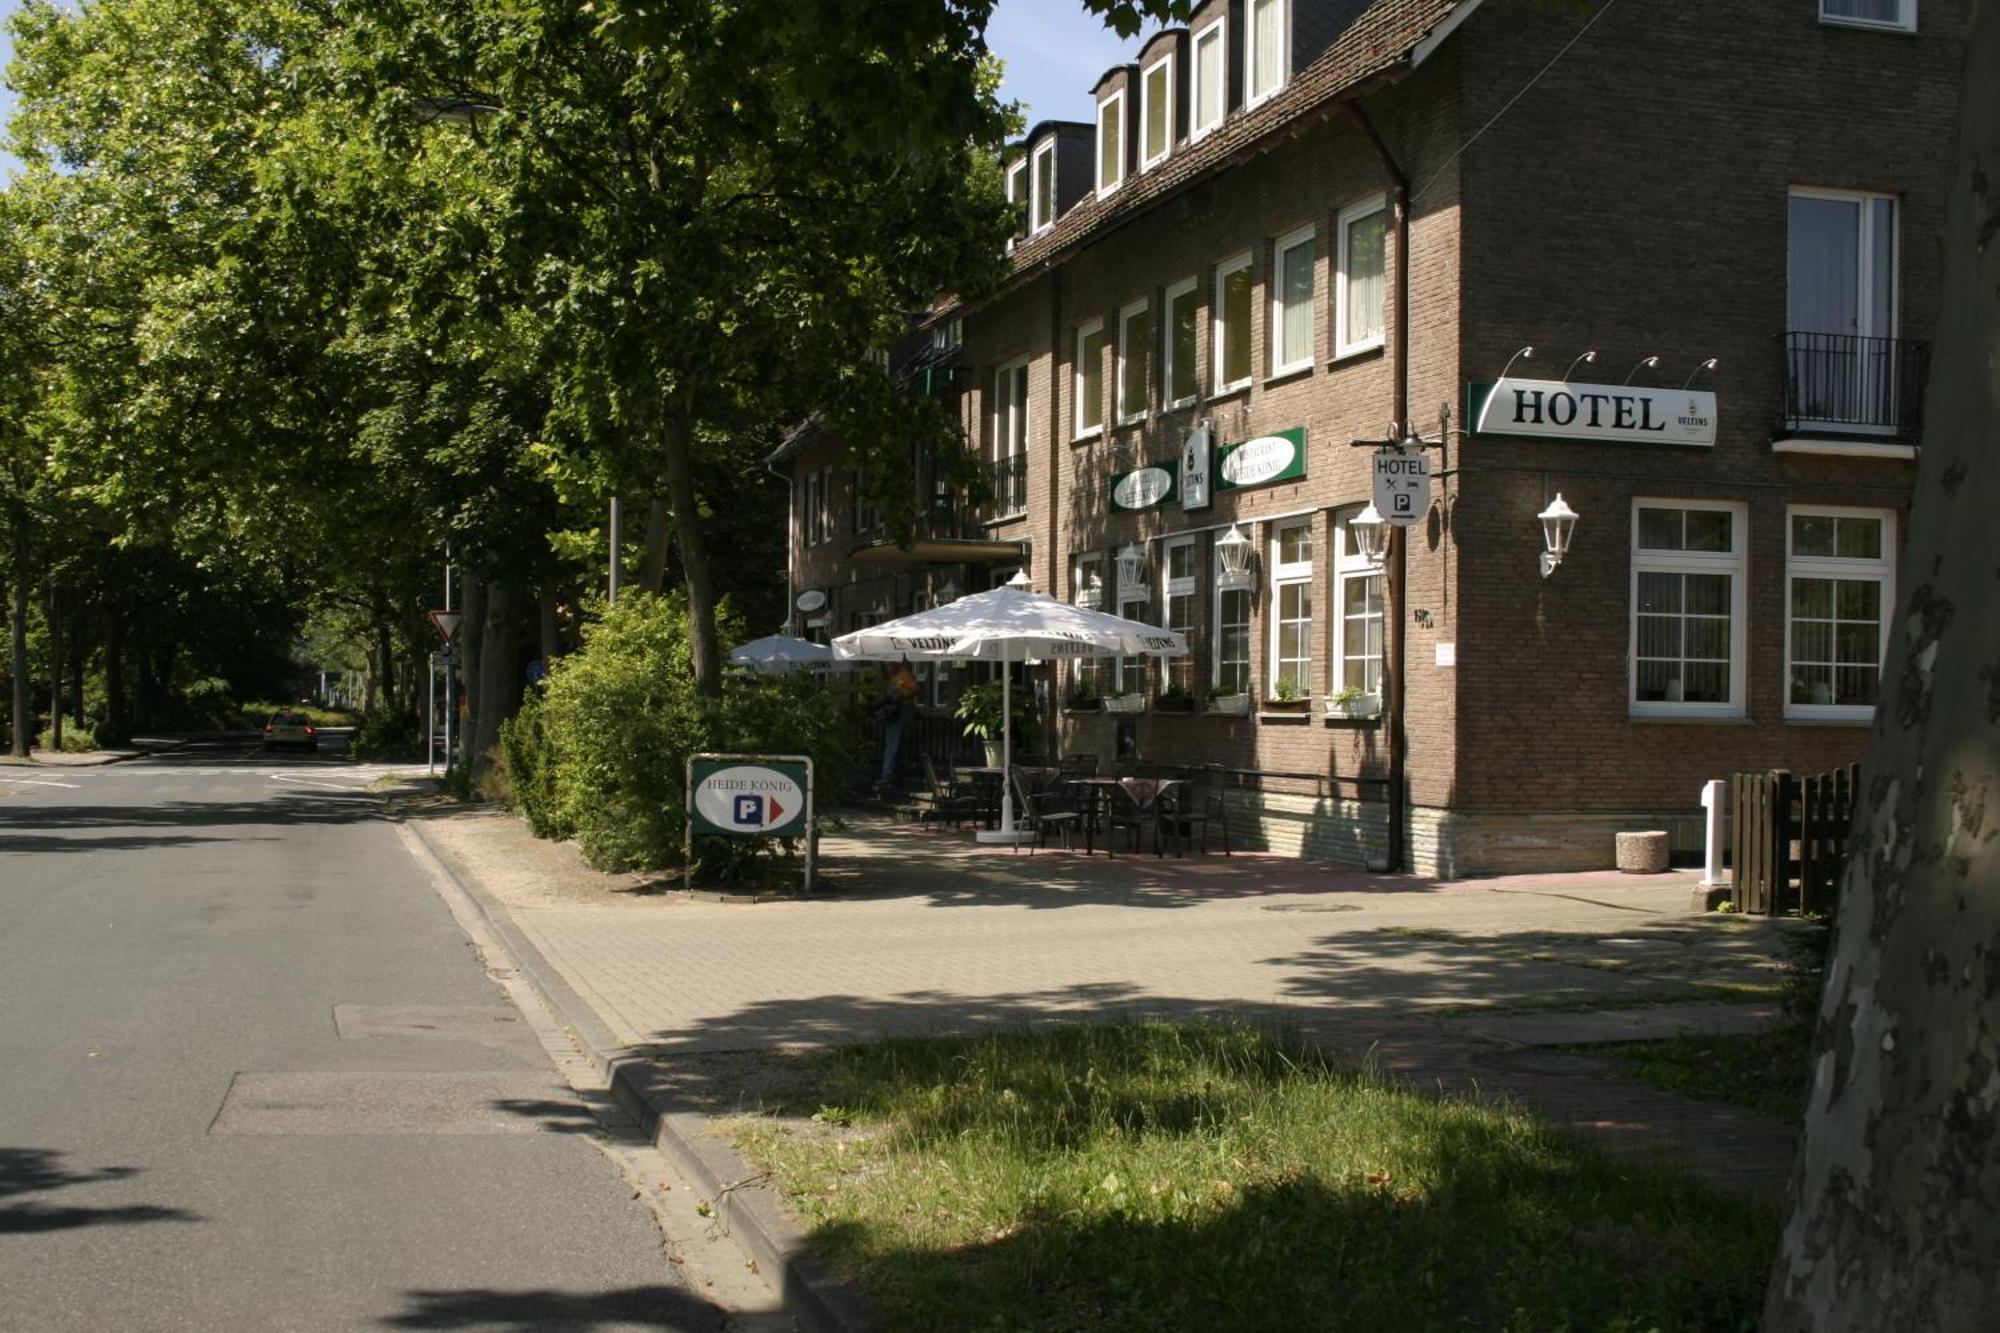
column 1156, row 116
column 1111, row 142
column 1017, row 189
column 1210, row 90
column 1264, row 53
column 1042, row 180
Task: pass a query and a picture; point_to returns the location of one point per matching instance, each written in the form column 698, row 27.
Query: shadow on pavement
column 26, row 1171
column 278, row 809
column 631, row 1307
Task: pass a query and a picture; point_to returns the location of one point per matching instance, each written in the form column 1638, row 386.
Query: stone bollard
column 1642, row 853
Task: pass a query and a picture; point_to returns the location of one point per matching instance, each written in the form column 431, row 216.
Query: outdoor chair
column 1043, row 811
column 1179, row 814
column 1077, row 765
column 1122, row 810
column 945, row 799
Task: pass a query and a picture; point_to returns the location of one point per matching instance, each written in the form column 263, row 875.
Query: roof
column 1380, row 40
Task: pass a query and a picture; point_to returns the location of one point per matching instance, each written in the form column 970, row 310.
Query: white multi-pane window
column 1209, row 71
column 1089, row 378
column 1292, row 303
column 1017, row 192
column 1135, row 602
column 1264, row 51
column 1900, row 15
column 1291, row 609
column 1087, row 591
column 1687, row 608
column 1357, row 600
column 1840, row 309
column 1178, row 604
column 1010, row 440
column 1042, row 186
column 1359, row 278
column 1230, row 345
column 1135, row 360
column 1178, row 384
column 1840, row 571
column 819, row 506
column 1111, row 142
column 1232, row 632
column 1156, row 112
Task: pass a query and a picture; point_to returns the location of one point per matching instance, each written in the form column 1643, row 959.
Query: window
column 1687, row 609
column 1291, row 609
column 819, row 506
column 1087, row 590
column 1357, row 597
column 1177, row 382
column 1210, row 91
column 1358, row 287
column 1840, row 307
column 1898, row 14
column 1264, row 51
column 1017, row 193
column 1292, row 303
column 1178, row 606
column 1135, row 602
column 1009, row 480
column 1232, row 634
column 1156, row 118
column 1089, row 378
column 949, row 335
column 1231, row 343
column 866, row 516
column 1135, row 360
column 1840, row 570
column 1110, row 142
column 1042, row 212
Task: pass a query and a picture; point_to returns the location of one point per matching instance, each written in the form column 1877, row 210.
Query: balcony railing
column 1844, row 384
column 1007, row 486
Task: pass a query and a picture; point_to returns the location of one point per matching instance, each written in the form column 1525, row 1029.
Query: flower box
column 1234, row 705
column 1125, row 703
column 1361, row 707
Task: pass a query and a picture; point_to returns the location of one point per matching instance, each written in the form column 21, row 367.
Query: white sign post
column 1402, row 487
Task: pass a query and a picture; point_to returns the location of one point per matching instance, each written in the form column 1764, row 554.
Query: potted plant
column 979, row 707
column 1353, row 701
column 1289, row 694
column 1134, row 702
column 1176, row 698
column 1221, row 700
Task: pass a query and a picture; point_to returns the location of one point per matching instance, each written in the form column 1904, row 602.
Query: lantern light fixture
column 947, row 593
column 1235, row 553
column 1558, row 525
column 1132, row 567
column 1370, row 532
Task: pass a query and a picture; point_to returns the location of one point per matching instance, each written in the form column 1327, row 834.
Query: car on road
column 288, row 729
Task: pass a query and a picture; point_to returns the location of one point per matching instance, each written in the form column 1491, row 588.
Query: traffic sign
column 1402, row 487
column 447, row 623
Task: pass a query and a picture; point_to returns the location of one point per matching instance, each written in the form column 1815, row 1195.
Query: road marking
column 37, row 782
column 308, row 782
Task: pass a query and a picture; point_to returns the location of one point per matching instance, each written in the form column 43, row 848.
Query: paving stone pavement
column 923, row 933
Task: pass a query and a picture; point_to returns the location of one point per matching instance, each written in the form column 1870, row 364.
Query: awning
column 939, row 551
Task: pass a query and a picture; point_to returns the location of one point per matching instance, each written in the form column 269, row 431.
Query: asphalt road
column 256, row 1078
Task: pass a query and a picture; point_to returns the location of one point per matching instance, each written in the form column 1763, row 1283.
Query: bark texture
column 23, row 713
column 1895, row 1220
column 696, row 571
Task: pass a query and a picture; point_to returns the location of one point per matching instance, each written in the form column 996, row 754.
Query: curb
column 745, row 1205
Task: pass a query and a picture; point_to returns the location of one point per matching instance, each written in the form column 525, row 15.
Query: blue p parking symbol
column 749, row 811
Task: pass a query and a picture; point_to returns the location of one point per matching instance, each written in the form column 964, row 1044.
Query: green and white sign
column 1142, row 488
column 749, row 795
column 1279, row 456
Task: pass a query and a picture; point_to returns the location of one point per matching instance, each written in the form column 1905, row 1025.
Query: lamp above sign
column 1618, row 413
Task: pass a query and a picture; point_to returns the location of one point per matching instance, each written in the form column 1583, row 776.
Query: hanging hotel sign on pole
column 750, row 795
column 446, row 623
column 1402, row 487
column 1195, row 493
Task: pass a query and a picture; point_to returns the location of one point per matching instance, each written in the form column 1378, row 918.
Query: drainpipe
column 791, row 510
column 1398, row 563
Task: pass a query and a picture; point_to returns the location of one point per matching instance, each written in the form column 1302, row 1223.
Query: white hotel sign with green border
column 1279, row 456
column 1143, row 488
column 1613, row 413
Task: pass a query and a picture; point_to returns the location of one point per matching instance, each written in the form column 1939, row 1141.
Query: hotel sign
column 1616, row 413
column 1279, row 456
column 1195, row 493
column 1142, row 488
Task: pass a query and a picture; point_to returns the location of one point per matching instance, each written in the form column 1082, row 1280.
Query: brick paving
column 923, row 933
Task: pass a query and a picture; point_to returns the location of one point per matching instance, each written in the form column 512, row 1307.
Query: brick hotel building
column 1298, row 224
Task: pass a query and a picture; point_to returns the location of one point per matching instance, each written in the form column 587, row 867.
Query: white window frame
column 1126, row 413
column 1344, row 344
column 1105, row 187
column 1284, row 574
column 1081, row 567
column 1017, row 193
column 1166, row 63
column 1179, row 670
column 1196, row 129
column 1248, row 587
column 1132, row 670
column 1348, row 567
column 1735, row 563
column 1850, row 569
column 1185, row 287
column 1005, row 414
column 1864, row 259
column 1042, row 199
column 1251, row 97
column 1218, row 331
column 1283, row 246
column 1078, row 430
column 1905, row 20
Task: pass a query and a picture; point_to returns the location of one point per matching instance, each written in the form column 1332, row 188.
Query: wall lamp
column 1369, row 531
column 1558, row 526
column 1706, row 365
column 1643, row 363
column 1235, row 553
column 1588, row 358
column 1131, row 567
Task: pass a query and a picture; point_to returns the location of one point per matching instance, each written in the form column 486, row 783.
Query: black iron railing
column 1007, row 486
column 1870, row 388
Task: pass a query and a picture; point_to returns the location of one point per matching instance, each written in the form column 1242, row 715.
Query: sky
column 1054, row 53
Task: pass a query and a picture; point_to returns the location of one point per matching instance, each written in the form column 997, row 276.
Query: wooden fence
column 1788, row 839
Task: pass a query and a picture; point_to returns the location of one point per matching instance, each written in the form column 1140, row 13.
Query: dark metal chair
column 1180, row 813
column 945, row 799
column 1043, row 811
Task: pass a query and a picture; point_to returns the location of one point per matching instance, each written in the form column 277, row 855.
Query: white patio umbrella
column 1007, row 625
column 777, row 653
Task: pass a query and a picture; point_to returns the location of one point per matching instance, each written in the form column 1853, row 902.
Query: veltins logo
column 749, row 799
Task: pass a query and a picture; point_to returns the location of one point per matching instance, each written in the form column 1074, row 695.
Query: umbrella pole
column 1006, row 833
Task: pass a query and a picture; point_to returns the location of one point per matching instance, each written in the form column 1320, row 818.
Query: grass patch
column 1198, row 1177
column 1769, row 1072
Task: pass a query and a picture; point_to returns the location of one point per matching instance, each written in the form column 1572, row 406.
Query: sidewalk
column 1459, row 986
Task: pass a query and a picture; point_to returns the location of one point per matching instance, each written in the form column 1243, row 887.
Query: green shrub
column 618, row 720
column 388, row 735
column 531, row 771
column 76, row 740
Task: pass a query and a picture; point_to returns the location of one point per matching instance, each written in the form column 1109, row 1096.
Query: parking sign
column 1402, row 487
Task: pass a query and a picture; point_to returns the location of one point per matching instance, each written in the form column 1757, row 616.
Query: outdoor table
column 990, row 780
column 1145, row 792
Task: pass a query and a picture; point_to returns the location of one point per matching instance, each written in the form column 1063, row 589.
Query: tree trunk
column 55, row 673
column 24, row 713
column 473, row 607
column 677, row 436
column 1895, row 1219
column 79, row 660
column 499, row 672
column 659, row 537
column 116, row 715
column 385, row 657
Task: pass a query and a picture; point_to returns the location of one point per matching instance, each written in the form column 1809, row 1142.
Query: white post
column 1006, row 746
column 1711, row 863
column 430, row 715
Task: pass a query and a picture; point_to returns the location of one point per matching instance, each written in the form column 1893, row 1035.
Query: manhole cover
column 1310, row 907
